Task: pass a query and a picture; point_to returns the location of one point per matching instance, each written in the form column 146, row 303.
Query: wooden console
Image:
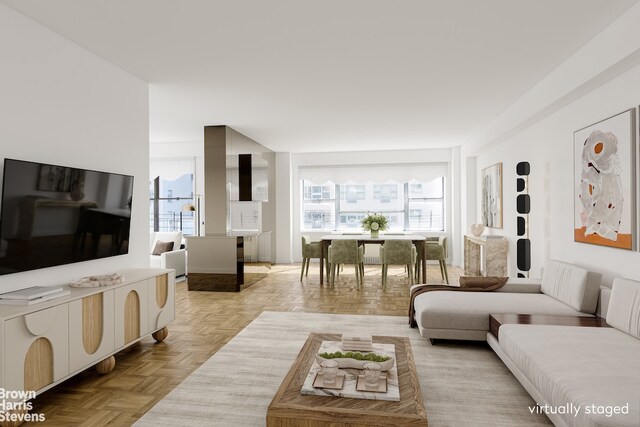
column 43, row 344
column 497, row 320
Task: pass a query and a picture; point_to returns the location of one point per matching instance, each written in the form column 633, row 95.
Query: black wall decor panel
column 523, row 206
column 522, row 226
column 523, row 203
column 524, row 254
column 523, row 168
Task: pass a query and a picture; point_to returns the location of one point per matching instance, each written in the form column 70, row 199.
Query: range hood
column 247, row 175
column 245, row 178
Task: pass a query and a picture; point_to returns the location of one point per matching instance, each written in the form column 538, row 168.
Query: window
column 385, row 193
column 318, row 206
column 426, row 205
column 412, row 205
column 351, row 220
column 353, row 193
column 171, row 191
column 318, row 192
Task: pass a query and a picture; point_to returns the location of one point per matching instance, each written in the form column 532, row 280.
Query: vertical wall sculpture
column 523, row 206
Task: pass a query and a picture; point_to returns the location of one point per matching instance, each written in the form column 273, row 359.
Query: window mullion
column 336, row 216
column 406, row 206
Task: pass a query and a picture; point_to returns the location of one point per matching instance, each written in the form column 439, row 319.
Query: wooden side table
column 497, row 320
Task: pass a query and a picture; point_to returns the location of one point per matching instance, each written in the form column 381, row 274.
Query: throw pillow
column 482, row 282
column 162, row 247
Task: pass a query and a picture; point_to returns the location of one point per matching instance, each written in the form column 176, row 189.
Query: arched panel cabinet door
column 131, row 313
column 161, row 301
column 38, row 365
column 91, row 331
column 39, row 350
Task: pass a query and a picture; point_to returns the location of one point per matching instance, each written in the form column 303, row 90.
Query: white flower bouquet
column 375, row 222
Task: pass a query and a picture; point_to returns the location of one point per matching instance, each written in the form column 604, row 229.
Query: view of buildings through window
column 167, row 206
column 413, row 205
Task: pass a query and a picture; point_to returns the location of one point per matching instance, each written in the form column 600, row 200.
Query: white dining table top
column 367, row 236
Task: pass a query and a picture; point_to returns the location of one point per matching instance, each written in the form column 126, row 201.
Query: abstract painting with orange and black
column 604, row 171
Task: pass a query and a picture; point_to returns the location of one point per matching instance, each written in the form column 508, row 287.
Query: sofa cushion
column 166, row 236
column 162, row 247
column 624, row 306
column 470, row 310
column 581, row 366
column 521, row 284
column 573, row 285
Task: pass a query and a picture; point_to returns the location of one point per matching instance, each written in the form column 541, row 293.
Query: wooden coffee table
column 290, row 408
column 497, row 320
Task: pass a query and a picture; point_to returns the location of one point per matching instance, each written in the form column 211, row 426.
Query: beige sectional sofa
column 581, row 376
column 578, row 376
column 565, row 289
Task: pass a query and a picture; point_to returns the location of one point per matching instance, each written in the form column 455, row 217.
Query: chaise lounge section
column 581, row 376
column 564, row 290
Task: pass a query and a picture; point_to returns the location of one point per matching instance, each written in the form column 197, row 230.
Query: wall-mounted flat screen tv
column 54, row 215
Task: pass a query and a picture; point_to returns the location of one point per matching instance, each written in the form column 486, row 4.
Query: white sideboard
column 485, row 256
column 44, row 344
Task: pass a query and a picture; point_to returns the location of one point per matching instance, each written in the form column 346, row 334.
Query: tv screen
column 53, row 215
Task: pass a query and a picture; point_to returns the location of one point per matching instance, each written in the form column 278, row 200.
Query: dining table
column 365, row 239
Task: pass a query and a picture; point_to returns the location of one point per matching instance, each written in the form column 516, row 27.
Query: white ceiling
column 330, row 75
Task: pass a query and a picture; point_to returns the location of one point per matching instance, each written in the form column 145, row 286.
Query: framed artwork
column 53, row 178
column 491, row 179
column 61, row 179
column 604, row 181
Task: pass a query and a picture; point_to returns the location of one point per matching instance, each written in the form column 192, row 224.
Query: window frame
column 342, row 207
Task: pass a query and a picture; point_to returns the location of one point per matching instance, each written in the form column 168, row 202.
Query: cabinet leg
column 106, row 366
column 160, row 334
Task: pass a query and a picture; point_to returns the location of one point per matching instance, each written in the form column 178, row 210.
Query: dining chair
column 346, row 252
column 397, row 252
column 437, row 250
column 309, row 250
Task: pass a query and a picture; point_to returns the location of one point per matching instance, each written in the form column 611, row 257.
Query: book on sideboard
column 59, row 293
column 31, row 293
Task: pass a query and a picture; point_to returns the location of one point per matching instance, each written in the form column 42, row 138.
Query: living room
column 74, row 94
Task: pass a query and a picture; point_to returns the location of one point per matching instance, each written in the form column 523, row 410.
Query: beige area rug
column 462, row 383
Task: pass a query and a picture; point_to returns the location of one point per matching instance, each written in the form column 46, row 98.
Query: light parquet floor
column 205, row 322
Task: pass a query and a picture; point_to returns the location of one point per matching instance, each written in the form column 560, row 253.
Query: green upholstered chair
column 309, row 250
column 437, row 250
column 397, row 252
column 346, row 252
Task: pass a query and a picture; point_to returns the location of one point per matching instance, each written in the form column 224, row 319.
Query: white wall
column 63, row 105
column 600, row 80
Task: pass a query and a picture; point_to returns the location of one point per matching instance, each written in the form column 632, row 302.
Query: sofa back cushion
column 572, row 285
column 603, row 302
column 624, row 306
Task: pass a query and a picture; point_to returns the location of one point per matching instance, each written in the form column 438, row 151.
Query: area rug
column 462, row 383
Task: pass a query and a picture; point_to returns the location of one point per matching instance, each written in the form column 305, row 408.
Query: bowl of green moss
column 355, row 359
